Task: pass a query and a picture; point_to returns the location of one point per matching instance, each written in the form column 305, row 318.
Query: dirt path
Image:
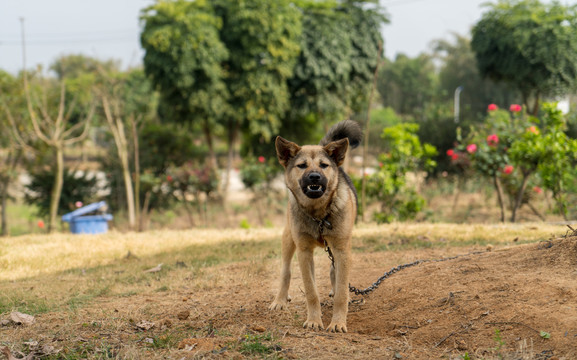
column 518, row 302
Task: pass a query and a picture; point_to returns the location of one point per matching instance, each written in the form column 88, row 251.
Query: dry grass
column 33, row 255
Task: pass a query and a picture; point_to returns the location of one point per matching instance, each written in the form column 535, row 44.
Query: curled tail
column 344, row 129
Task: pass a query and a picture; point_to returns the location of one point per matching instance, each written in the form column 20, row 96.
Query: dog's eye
column 323, row 165
column 302, row 166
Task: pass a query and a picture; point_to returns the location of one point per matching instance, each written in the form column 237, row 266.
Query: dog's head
column 311, row 170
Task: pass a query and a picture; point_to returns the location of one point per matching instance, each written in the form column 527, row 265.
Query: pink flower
column 261, row 159
column 537, row 189
column 78, row 204
column 41, row 224
column 455, row 156
column 492, row 107
column 471, row 148
column 450, row 152
column 168, row 178
column 534, row 130
column 515, row 108
column 492, row 140
column 508, row 169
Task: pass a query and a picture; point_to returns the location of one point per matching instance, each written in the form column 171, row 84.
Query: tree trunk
column 117, row 128
column 12, row 162
column 56, row 189
column 129, row 190
column 3, row 203
column 233, row 127
column 208, row 136
column 535, row 110
column 499, row 189
column 519, row 198
column 136, row 172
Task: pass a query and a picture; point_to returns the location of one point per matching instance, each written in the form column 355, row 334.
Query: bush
column 389, row 185
column 78, row 186
column 522, row 152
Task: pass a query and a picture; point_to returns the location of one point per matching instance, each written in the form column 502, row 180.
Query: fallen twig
column 512, row 323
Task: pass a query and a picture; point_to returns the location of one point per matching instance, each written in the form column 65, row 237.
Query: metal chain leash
column 322, row 223
column 396, row 269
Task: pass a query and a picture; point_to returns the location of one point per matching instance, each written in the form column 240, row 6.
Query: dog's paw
column 278, row 305
column 313, row 325
column 337, row 327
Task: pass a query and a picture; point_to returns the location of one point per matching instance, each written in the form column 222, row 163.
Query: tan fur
column 301, row 235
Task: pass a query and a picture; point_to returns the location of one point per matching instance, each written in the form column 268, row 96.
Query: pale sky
column 109, row 29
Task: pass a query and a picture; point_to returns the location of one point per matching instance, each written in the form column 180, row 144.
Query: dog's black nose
column 314, row 176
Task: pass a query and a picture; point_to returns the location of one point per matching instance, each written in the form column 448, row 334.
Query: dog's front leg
column 288, row 250
column 341, row 289
column 307, row 266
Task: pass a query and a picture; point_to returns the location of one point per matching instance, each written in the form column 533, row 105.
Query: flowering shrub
column 257, row 174
column 511, row 147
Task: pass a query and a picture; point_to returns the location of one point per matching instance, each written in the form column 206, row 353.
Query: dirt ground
column 517, row 302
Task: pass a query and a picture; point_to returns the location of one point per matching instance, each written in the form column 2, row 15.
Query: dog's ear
column 285, row 150
column 337, row 150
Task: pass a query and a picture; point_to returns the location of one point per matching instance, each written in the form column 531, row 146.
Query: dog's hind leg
column 287, row 252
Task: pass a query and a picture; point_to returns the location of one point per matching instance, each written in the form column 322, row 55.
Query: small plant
column 500, row 343
column 390, row 185
column 257, row 345
column 544, row 334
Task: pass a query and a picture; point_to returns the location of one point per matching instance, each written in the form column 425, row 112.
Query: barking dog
column 321, row 212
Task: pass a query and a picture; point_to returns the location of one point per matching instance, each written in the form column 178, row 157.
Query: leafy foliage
column 257, row 174
column 408, row 84
column 390, row 185
column 78, row 186
column 184, row 55
column 513, row 147
column 530, row 45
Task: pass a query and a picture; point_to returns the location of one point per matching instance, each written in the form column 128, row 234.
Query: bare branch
column 60, row 122
column 87, row 121
column 32, row 113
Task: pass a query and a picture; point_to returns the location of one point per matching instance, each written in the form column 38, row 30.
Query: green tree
column 530, row 45
column 78, row 65
column 318, row 85
column 50, row 115
column 408, row 84
column 367, row 18
column 184, row 58
column 263, row 40
column 459, row 68
column 336, row 65
column 127, row 98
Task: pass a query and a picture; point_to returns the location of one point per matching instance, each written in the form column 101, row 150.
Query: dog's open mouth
column 314, row 191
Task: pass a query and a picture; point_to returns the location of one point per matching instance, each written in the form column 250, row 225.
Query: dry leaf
column 183, row 315
column 20, row 318
column 154, row 269
column 258, row 328
column 145, row 325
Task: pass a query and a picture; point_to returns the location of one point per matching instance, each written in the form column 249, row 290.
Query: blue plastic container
column 88, row 224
